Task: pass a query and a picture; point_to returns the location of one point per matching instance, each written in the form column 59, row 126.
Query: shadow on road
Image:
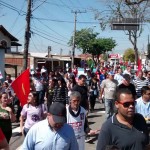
column 94, row 116
column 99, row 109
column 16, row 134
column 89, row 122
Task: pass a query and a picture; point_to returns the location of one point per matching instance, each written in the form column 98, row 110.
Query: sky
column 52, row 24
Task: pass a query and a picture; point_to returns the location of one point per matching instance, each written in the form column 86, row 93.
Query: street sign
column 125, row 24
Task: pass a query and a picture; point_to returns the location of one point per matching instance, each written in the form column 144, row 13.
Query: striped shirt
column 60, row 95
column 139, row 83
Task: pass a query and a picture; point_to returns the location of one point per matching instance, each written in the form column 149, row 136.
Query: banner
column 21, row 86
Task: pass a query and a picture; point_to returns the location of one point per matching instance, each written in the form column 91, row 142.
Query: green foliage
column 87, row 41
column 129, row 55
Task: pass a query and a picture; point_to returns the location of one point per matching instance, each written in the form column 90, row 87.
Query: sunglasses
column 127, row 104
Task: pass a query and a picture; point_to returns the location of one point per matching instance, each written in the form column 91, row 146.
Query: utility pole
column 73, row 47
column 60, row 56
column 148, row 49
column 49, row 50
column 27, row 36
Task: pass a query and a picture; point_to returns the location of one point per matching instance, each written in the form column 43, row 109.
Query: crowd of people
column 55, row 116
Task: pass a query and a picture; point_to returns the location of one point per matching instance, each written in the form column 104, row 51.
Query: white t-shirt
column 77, row 122
column 33, row 114
column 110, row 87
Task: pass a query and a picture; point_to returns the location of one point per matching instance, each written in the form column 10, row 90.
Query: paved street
column 95, row 121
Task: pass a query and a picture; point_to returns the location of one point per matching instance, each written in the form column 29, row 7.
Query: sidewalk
column 95, row 119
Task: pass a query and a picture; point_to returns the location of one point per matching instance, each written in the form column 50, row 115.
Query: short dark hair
column 126, row 77
column 144, row 89
column 81, row 76
column 122, row 91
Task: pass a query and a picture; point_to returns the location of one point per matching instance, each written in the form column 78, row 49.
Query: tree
column 83, row 39
column 86, row 40
column 129, row 55
column 128, row 2
column 126, row 9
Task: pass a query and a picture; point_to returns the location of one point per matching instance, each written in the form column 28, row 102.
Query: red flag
column 139, row 64
column 21, row 87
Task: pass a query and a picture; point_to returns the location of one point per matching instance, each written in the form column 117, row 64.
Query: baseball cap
column 111, row 73
column 58, row 110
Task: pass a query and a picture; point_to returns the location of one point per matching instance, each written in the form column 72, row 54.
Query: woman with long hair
column 32, row 112
column 61, row 92
column 6, row 116
column 71, row 83
column 93, row 88
column 50, row 91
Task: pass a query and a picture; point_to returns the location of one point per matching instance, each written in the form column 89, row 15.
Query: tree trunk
column 135, row 47
column 133, row 40
column 136, row 54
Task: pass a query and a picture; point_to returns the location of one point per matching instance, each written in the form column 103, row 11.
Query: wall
column 15, row 59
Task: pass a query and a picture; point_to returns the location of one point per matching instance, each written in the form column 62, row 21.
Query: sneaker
column 87, row 139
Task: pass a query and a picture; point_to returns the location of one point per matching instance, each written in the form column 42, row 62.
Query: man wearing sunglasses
column 126, row 129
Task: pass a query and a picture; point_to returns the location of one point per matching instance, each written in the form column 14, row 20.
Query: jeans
column 41, row 96
column 109, row 107
column 25, row 131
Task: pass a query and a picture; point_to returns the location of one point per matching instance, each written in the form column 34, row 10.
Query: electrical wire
column 13, row 25
column 34, row 44
column 50, row 28
column 48, row 35
column 39, row 5
column 54, row 20
column 12, row 8
column 33, row 24
column 49, row 39
column 65, row 4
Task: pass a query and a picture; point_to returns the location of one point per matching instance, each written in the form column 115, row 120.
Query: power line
column 39, row 5
column 65, row 4
column 13, row 25
column 34, row 44
column 49, row 28
column 12, row 7
column 49, row 39
column 48, row 35
column 38, row 38
column 65, row 21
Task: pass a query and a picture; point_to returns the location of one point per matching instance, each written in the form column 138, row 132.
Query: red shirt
column 1, row 135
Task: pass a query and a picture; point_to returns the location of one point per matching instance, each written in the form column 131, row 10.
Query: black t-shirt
column 84, row 97
column 131, row 87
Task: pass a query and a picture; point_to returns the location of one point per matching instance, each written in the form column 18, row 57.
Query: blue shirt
column 42, row 137
column 119, row 78
column 142, row 108
column 102, row 77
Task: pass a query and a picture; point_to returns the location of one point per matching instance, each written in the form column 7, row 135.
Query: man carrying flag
column 21, row 87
